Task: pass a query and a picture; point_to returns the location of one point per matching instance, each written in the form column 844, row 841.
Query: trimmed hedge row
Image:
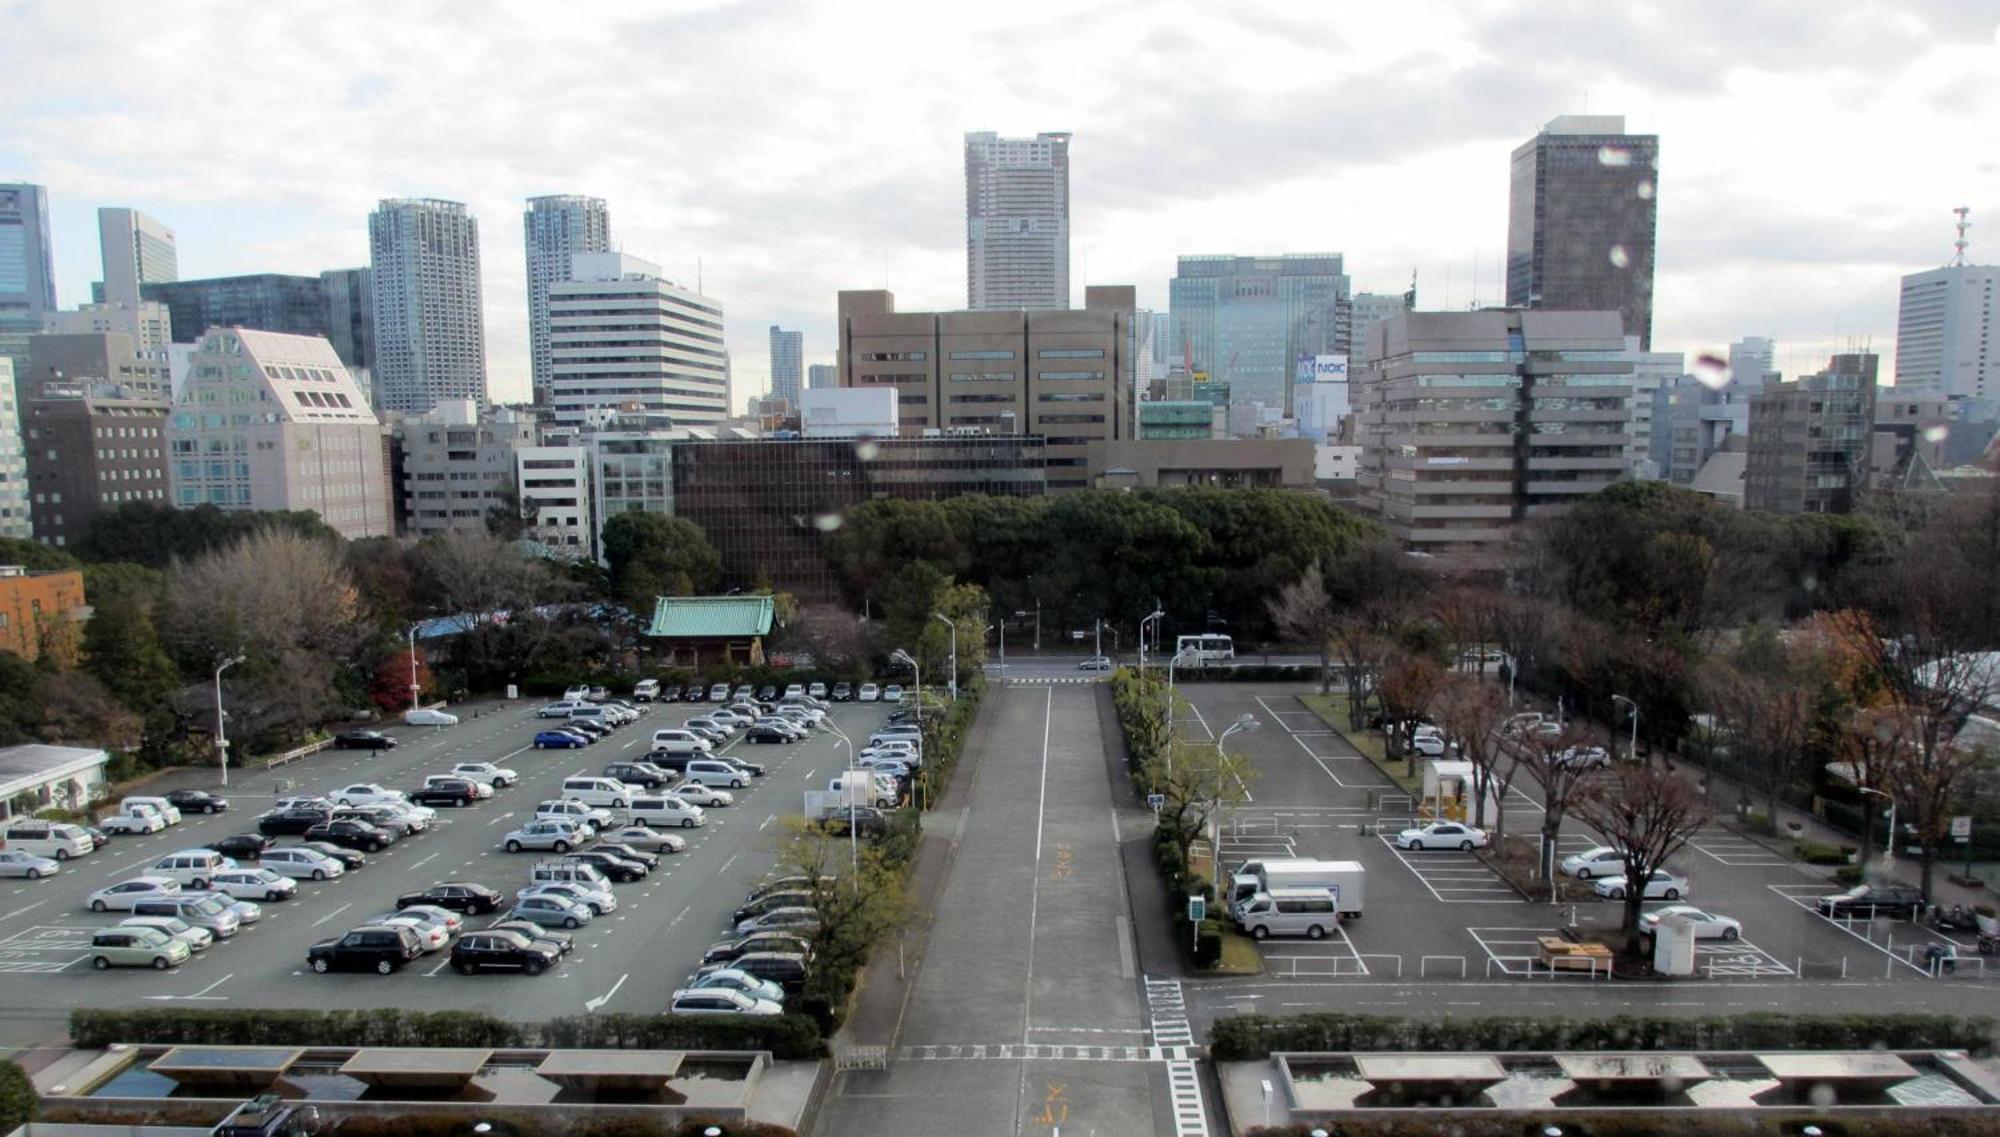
column 785, row 1036
column 1241, row 1038
column 1962, row 1122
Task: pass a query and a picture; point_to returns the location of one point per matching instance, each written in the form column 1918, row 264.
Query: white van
column 666, row 811
column 1307, row 912
column 645, row 690
column 192, row 868
column 881, row 787
column 605, row 793
column 168, row 812
column 47, row 839
column 710, row 772
column 677, row 743
column 593, row 713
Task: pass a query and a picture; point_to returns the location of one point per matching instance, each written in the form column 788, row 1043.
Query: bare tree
column 1472, row 712
column 1409, row 685
column 1473, row 615
column 1768, row 719
column 1649, row 815
column 1197, row 779
column 1870, row 747
column 1557, row 766
column 1303, row 611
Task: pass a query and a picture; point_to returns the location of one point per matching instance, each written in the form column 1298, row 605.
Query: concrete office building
column 137, row 251
column 27, row 267
column 1247, row 320
column 556, row 228
column 148, row 325
column 822, row 377
column 1581, row 213
column 457, row 466
column 1180, row 419
column 1945, row 328
column 1652, row 372
column 1059, row 374
column 1753, row 362
column 90, row 446
column 92, row 359
column 623, row 337
column 1698, row 421
column 555, row 493
column 788, row 350
column 1471, row 422
column 337, row 305
column 852, row 412
column 430, row 330
column 268, row 421
column 1016, row 221
column 1811, row 440
column 1367, row 309
column 1226, row 463
column 15, row 520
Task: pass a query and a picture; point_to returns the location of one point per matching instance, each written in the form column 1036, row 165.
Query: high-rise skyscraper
column 822, row 376
column 556, row 228
column 623, row 337
column 1944, row 336
column 1580, row 220
column 1247, row 320
column 1016, row 221
column 137, row 251
column 788, row 351
column 1752, row 361
column 430, row 332
column 27, row 268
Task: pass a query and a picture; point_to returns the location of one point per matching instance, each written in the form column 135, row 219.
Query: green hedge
column 1960, row 1122
column 18, row 1103
column 1241, row 1038
column 786, row 1036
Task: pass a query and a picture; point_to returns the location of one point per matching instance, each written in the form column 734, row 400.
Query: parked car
column 865, row 820
column 556, row 834
column 577, row 694
column 136, row 947
column 766, row 732
column 197, row 801
column 193, row 868
column 713, row 772
column 1707, row 925
column 1662, row 885
column 646, row 690
column 643, row 774
column 644, row 837
column 843, row 691
column 254, row 884
column 385, row 816
column 590, row 818
column 1443, row 835
column 738, row 980
column 246, row 911
column 600, row 901
column 363, row 740
column 869, row 693
column 350, row 859
column 1585, row 757
column 121, row 896
column 893, row 693
column 353, row 835
column 589, row 728
column 14, row 862
column 695, row 693
column 426, row 716
column 671, row 693
column 783, row 942
column 1896, row 901
column 370, row 947
column 800, row 918
column 486, row 773
column 197, row 939
column 137, row 819
column 431, row 933
column 1096, row 663
column 754, row 769
column 451, row 793
column 719, row 1001
column 559, row 740
column 1600, row 861
column 559, row 709
column 456, row 895
column 562, row 943
column 718, row 693
column 492, row 950
column 365, row 793
column 816, row 689
column 551, row 911
column 707, row 797
column 785, row 969
column 242, row 846
column 617, row 868
column 302, row 862
column 452, row 922
column 625, row 852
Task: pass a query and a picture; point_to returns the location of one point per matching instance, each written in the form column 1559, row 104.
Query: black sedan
column 353, row 835
column 843, row 692
column 754, row 769
column 450, row 794
column 1896, row 901
column 457, row 895
column 363, row 740
column 350, row 859
column 615, row 868
column 768, row 734
column 291, row 821
column 626, row 852
column 197, row 801
column 671, row 693
column 501, row 951
column 767, row 693
column 242, row 846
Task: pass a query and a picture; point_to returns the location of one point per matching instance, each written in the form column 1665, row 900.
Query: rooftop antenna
column 697, row 274
column 1958, row 246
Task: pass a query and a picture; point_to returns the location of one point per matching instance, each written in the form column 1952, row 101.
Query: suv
column 709, row 772
column 380, row 948
column 642, row 774
column 499, row 777
column 445, row 791
column 291, row 821
column 191, row 868
column 549, row 833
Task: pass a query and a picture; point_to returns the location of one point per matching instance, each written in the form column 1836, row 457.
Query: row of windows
column 895, row 356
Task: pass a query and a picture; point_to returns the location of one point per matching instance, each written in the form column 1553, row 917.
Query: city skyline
column 1307, row 160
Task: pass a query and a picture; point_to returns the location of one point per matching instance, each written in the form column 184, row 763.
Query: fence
column 297, row 752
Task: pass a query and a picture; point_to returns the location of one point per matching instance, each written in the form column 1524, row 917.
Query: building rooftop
column 712, row 617
column 26, row 765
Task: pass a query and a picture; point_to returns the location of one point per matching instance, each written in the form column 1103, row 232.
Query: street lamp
column 222, row 731
column 1157, row 613
column 904, row 657
column 853, row 847
column 1889, row 857
column 1243, row 722
column 1634, row 755
column 949, row 623
column 415, row 688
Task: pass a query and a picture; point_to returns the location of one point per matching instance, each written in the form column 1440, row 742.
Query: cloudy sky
column 1810, row 154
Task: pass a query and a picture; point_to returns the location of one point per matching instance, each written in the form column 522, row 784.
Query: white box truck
column 1256, row 877
column 841, row 792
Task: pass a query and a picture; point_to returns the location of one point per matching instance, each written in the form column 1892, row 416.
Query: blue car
column 557, row 739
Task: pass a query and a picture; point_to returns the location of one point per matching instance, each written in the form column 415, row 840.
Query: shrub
column 1814, row 853
column 1847, row 874
column 18, row 1103
column 785, row 1036
column 1208, row 944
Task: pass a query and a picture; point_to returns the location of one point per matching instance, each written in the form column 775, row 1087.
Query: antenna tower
column 1958, row 246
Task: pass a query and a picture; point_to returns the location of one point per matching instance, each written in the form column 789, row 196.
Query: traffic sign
column 1961, row 828
column 1197, row 908
column 1156, row 802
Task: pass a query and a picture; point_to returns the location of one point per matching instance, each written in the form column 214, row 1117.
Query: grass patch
column 1239, row 956
column 1332, row 709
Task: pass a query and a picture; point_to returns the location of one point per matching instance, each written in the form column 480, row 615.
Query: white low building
column 70, row 777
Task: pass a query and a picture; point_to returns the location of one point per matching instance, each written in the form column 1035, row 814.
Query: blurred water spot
column 867, row 449
column 1613, row 156
column 1645, row 191
column 1936, row 433
column 1619, row 257
column 827, row 522
column 1711, row 371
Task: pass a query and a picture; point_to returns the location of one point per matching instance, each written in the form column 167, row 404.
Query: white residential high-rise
column 1944, row 334
column 137, row 250
column 15, row 520
column 430, row 330
column 1016, row 221
column 1752, row 360
column 623, row 337
column 1651, row 371
column 788, row 350
column 556, row 228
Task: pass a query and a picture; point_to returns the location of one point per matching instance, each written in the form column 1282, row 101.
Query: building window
column 1071, row 353
column 982, row 355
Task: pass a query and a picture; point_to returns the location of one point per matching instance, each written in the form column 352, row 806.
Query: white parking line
column 332, row 914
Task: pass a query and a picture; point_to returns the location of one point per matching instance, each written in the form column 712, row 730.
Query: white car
column 1600, row 861
column 431, row 933
column 254, row 884
column 577, row 694
column 366, row 793
column 1443, row 835
column 1662, row 885
column 598, row 900
column 869, row 693
column 588, row 818
column 557, row 834
column 451, row 921
column 139, row 819
column 1430, row 745
column 14, row 862
column 560, row 710
column 816, row 690
column 121, row 896
column 720, row 1001
column 646, row 838
column 300, row 863
column 486, row 773
column 1585, row 757
column 1096, row 663
column 1707, row 925
column 694, row 793
column 426, row 716
column 893, row 693
column 742, row 982
column 197, row 939
column 247, row 911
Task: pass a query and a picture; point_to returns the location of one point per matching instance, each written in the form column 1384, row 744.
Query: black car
column 843, row 692
column 786, row 969
column 590, row 727
column 696, row 693
column 766, row 693
column 196, row 801
column 457, row 895
column 350, row 859
column 98, row 837
column 242, row 846
column 761, row 942
column 451, row 792
column 291, row 821
column 615, row 868
column 669, row 693
column 754, row 769
column 370, row 947
column 672, row 763
column 562, row 942
column 353, row 835
column 866, row 820
column 626, row 852
column 640, row 774
column 363, row 740
column 1896, row 901
column 501, row 951
column 768, row 734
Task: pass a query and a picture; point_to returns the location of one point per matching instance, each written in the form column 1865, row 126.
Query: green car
column 136, row 947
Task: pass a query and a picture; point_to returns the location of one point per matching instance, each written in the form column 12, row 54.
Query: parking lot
column 628, row 960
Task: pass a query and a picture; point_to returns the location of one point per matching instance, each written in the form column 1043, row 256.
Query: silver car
column 301, row 863
column 14, row 862
column 551, row 911
column 197, row 939
column 554, row 834
column 599, row 901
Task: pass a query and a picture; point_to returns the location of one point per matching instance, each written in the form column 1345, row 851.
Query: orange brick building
column 38, row 609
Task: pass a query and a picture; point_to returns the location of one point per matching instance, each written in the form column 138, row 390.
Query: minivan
column 591, row 713
column 679, row 743
column 709, row 772
column 167, row 810
column 718, row 693
column 136, row 947
column 193, row 868
column 569, row 872
column 665, row 810
column 646, row 690
column 1308, row 912
column 47, row 839
column 605, row 793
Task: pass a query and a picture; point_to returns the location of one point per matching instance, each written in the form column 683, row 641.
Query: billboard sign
column 1322, row 369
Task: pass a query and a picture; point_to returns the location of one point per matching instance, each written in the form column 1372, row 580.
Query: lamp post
column 949, row 623
column 1889, row 857
column 221, row 730
column 415, row 688
column 1169, row 710
column 1157, row 613
column 1633, row 755
column 1243, row 722
column 853, row 848
column 904, row 657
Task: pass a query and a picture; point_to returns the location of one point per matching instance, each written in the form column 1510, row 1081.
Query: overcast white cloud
column 1809, row 154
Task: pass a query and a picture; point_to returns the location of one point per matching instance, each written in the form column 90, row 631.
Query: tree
column 390, row 689
column 1302, row 611
column 1472, row 712
column 652, row 555
column 156, row 535
column 1197, row 779
column 1551, row 760
column 34, row 556
column 1767, row 715
column 18, row 1102
column 121, row 642
column 73, row 706
column 1649, row 815
column 1409, row 684
column 859, row 897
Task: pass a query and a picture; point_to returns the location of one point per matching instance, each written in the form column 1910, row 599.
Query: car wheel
column 572, row 923
column 1729, row 933
column 34, row 874
column 274, row 894
column 97, row 906
column 161, row 963
column 463, row 967
column 1617, row 894
column 320, row 966
column 513, row 846
column 101, row 963
column 1583, row 874
column 208, row 809
column 687, row 823
column 1315, row 932
column 200, row 884
column 62, row 854
column 541, row 746
column 1673, row 894
column 617, row 803
column 384, row 967
column 1259, row 932
column 534, row 967
column 561, row 846
column 1465, row 846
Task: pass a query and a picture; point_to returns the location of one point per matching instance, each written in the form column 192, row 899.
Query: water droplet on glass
column 1936, row 434
column 1645, row 191
column 867, row 449
column 1613, row 156
column 1619, row 257
column 827, row 522
column 1711, row 371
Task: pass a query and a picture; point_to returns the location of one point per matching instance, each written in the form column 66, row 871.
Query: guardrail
column 296, row 753
column 1424, row 964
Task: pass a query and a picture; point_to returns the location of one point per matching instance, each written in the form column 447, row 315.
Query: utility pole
column 221, row 729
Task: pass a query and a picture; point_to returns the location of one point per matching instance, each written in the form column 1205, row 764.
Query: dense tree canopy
column 154, row 535
column 652, row 555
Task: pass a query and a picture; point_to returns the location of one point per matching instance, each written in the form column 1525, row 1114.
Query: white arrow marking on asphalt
column 593, row 1004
